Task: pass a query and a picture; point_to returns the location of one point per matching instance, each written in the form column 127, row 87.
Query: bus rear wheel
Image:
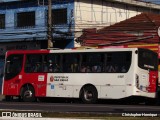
column 89, row 94
column 28, row 94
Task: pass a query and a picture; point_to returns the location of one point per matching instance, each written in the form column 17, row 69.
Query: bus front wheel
column 89, row 94
column 28, row 94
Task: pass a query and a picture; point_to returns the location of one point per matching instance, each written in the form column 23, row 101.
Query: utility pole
column 50, row 42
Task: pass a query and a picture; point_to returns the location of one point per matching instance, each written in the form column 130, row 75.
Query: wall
column 39, row 32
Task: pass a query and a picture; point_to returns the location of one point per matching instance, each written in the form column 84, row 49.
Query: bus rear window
column 147, row 59
column 13, row 66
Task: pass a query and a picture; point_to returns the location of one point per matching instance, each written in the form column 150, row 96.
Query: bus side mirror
column 8, row 66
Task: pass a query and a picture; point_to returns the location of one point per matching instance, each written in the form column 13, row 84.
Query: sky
column 154, row 1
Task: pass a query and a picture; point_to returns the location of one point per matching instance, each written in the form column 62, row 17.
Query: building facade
column 24, row 25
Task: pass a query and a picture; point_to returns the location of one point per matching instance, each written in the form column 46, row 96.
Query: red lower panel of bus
column 37, row 80
column 153, row 77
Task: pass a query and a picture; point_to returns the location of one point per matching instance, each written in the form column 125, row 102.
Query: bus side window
column 54, row 63
column 33, row 63
column 28, row 66
column 37, row 67
column 70, row 63
column 118, row 62
column 74, row 65
column 50, row 66
column 45, row 67
column 92, row 62
column 56, row 68
column 111, row 68
column 96, row 68
column 123, row 69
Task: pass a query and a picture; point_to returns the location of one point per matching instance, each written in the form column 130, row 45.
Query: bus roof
column 68, row 50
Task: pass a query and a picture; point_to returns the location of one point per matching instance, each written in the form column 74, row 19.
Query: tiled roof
column 139, row 26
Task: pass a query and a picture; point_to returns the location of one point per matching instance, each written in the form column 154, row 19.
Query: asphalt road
column 78, row 107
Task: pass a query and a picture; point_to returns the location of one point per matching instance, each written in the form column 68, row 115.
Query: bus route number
column 120, row 76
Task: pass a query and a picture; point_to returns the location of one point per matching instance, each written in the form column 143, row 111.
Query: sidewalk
column 1, row 97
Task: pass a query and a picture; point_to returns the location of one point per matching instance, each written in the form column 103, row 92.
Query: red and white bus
column 90, row 74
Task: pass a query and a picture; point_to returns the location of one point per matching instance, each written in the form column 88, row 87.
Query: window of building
column 59, row 16
column 26, row 19
column 2, row 21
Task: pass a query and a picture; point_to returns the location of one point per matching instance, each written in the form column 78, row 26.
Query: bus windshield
column 147, row 59
column 13, row 66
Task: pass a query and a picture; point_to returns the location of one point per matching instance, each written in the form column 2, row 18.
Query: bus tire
column 89, row 94
column 28, row 94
